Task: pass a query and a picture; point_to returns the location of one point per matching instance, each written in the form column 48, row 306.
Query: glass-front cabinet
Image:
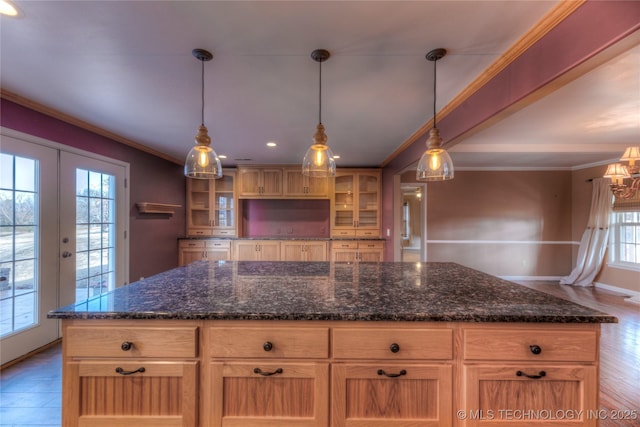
column 356, row 204
column 212, row 206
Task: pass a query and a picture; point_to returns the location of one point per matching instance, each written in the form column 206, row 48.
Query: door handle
column 66, row 254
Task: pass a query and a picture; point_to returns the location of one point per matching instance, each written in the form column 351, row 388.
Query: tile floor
column 30, row 391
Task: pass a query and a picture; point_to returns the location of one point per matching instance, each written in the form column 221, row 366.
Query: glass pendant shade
column 202, row 161
column 435, row 163
column 318, row 162
column 617, row 172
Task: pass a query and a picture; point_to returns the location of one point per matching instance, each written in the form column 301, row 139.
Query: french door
column 63, row 224
column 28, row 234
column 93, row 245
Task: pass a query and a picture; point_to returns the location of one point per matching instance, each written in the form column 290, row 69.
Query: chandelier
column 625, row 179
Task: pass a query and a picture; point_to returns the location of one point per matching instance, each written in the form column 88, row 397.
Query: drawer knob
column 534, row 377
column 394, row 348
column 123, row 372
column 267, row 346
column 126, row 346
column 535, row 349
column 267, row 374
column 401, row 373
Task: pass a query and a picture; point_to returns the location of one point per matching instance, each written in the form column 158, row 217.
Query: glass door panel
column 28, row 226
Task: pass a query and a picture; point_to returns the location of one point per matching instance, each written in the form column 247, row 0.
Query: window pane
column 82, row 210
column 82, row 289
column 95, row 184
column 25, row 243
column 25, row 174
column 6, row 244
column 95, row 236
column 25, row 309
column 6, row 207
column 24, row 208
column 6, row 171
column 82, row 265
column 82, row 182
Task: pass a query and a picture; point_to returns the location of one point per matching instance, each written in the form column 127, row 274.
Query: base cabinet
column 123, row 373
column 245, row 373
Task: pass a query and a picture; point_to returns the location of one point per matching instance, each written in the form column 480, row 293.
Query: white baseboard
column 546, row 278
column 634, row 296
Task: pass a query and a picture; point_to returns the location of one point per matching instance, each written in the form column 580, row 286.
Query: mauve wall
column 285, row 218
column 152, row 243
column 503, row 223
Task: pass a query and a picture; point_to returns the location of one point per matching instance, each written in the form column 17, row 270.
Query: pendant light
column 318, row 162
column 435, row 164
column 202, row 162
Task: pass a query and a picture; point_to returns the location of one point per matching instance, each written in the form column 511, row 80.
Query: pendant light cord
column 320, row 94
column 202, row 93
column 434, row 93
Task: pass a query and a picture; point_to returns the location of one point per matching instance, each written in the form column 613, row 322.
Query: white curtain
column 594, row 239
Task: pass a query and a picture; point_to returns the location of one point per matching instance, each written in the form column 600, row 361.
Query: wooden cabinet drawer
column 530, row 344
column 193, row 244
column 393, row 344
column 218, row 244
column 371, row 245
column 367, row 233
column 344, row 245
column 132, row 342
column 304, row 343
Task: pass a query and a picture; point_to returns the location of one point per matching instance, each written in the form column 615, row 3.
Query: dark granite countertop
column 330, row 291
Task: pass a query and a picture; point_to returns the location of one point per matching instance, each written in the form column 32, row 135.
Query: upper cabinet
column 260, row 182
column 280, row 183
column 298, row 185
column 212, row 206
column 356, row 203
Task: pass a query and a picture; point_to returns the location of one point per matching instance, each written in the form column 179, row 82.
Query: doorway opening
column 413, row 222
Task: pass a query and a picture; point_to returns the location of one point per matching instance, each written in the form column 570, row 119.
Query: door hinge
column 125, row 234
column 125, row 183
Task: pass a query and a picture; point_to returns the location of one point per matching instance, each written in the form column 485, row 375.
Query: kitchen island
column 319, row 344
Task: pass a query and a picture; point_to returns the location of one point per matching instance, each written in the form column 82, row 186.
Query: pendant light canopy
column 202, row 162
column 318, row 161
column 435, row 163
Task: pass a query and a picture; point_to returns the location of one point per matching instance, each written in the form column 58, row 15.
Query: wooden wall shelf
column 157, row 208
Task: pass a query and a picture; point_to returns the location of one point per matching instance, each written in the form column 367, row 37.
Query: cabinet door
column 187, row 256
column 246, row 251
column 278, row 394
column 199, row 207
column 271, row 182
column 250, row 182
column 368, row 215
column 498, row 395
column 269, row 251
column 344, row 255
column 292, row 251
column 315, row 251
column 295, row 183
column 130, row 393
column 224, row 210
column 344, row 200
column 391, row 395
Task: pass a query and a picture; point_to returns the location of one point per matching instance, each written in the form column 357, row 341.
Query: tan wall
column 503, row 223
column 621, row 278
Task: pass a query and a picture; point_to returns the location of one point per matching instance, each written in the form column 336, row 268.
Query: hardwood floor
column 30, row 390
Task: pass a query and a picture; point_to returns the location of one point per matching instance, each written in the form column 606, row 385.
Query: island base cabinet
column 552, row 395
column 391, row 395
column 130, row 393
column 270, row 394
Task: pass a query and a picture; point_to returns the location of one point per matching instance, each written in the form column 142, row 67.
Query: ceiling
column 126, row 67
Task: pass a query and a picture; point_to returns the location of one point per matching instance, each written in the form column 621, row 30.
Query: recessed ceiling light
column 336, row 156
column 7, row 8
column 271, row 144
column 222, row 156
